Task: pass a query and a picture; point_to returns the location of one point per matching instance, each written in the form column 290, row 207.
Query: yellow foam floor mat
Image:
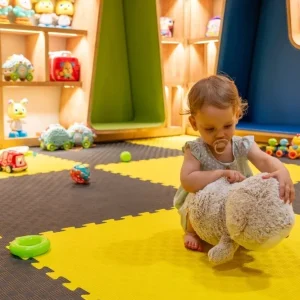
column 166, row 170
column 143, row 258
column 42, row 164
column 173, row 142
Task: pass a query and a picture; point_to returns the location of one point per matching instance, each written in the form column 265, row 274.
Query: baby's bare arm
column 192, row 179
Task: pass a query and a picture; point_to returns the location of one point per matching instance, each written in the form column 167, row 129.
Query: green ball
column 125, row 156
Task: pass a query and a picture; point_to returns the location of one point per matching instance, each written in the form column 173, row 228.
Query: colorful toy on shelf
column 55, row 137
column 17, row 112
column 80, row 174
column 17, row 67
column 166, row 27
column 294, row 149
column 44, row 13
column 63, row 66
column 5, row 9
column 65, row 11
column 23, row 12
column 12, row 161
column 81, row 135
column 213, row 27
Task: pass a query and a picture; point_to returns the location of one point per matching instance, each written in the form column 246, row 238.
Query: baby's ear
column 193, row 122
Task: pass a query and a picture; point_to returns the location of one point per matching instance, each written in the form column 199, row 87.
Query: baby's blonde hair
column 218, row 91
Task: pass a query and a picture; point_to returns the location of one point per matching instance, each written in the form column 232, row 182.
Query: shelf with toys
column 45, row 46
column 190, row 32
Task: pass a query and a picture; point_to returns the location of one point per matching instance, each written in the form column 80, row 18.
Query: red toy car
column 12, row 161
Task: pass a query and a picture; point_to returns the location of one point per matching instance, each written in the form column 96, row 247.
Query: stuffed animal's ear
column 11, row 101
column 24, row 101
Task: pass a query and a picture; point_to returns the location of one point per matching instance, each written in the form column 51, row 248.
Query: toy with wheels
column 55, row 137
column 17, row 67
column 81, row 135
column 294, row 149
column 12, row 161
column 80, row 174
column 278, row 149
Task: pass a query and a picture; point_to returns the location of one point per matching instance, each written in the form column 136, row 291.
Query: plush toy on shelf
column 213, row 27
column 5, row 9
column 17, row 67
column 23, row 12
column 17, row 111
column 65, row 11
column 166, row 27
column 44, row 13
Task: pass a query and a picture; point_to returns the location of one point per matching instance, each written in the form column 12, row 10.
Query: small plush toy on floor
column 248, row 214
column 80, row 174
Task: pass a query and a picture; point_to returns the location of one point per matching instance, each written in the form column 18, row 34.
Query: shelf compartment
column 201, row 11
column 173, row 63
column 31, row 46
column 173, row 9
column 42, row 108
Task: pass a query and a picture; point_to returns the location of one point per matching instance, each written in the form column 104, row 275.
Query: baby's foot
column 192, row 242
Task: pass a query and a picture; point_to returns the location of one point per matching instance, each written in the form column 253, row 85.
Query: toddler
column 215, row 108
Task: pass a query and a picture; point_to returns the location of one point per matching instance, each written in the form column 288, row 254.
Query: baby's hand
column 234, row 176
column 286, row 186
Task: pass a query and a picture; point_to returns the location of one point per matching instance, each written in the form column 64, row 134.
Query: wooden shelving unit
column 189, row 55
column 186, row 57
column 49, row 102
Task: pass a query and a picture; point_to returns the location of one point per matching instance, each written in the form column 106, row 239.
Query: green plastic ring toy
column 29, row 246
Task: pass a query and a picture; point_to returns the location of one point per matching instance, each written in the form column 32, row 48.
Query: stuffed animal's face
column 65, row 7
column 17, row 111
column 256, row 217
column 44, row 6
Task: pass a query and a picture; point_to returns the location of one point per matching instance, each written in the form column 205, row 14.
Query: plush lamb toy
column 249, row 214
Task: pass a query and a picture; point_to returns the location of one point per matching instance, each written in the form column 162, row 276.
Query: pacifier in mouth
column 220, row 146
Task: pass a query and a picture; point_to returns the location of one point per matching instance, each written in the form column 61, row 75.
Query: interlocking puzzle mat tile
column 166, row 170
column 42, row 164
column 43, row 202
column 110, row 153
column 143, row 258
column 172, row 142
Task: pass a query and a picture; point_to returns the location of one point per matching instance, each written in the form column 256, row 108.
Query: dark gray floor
column 49, row 202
